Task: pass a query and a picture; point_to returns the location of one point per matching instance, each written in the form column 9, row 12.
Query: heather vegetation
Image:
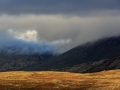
column 105, row 80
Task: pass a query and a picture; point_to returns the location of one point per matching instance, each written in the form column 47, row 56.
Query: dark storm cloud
column 63, row 24
column 64, row 33
column 56, row 6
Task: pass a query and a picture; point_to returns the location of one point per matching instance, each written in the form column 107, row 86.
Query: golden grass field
column 50, row 80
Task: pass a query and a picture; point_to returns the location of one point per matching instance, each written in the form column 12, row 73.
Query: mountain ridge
column 84, row 55
column 98, row 50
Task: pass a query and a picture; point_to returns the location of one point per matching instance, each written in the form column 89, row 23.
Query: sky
column 56, row 25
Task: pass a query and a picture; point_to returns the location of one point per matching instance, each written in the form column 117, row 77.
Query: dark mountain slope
column 96, row 66
column 102, row 49
column 9, row 62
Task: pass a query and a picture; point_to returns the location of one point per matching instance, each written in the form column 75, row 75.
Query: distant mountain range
column 103, row 54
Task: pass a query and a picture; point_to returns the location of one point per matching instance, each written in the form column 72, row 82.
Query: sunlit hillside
column 50, row 80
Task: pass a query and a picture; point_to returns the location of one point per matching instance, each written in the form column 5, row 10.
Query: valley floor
column 50, row 80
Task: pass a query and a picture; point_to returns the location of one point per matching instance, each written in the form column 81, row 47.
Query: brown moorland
column 50, row 80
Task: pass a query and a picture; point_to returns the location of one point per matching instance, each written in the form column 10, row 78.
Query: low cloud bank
column 11, row 44
column 22, row 47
